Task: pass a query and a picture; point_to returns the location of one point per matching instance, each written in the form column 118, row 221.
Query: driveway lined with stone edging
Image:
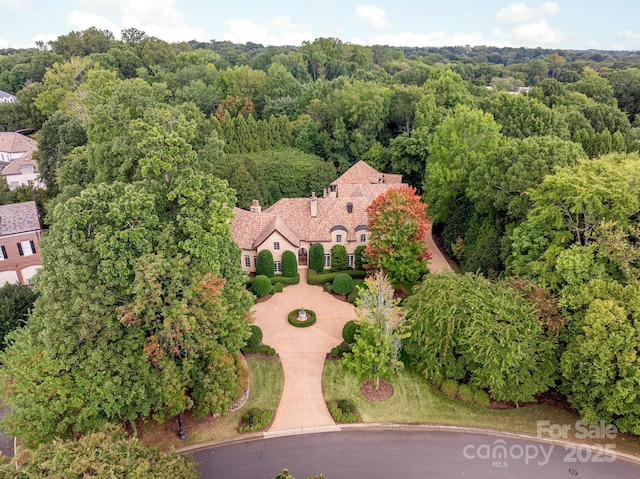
column 302, row 351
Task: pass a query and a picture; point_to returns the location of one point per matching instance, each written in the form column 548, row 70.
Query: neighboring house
column 13, row 146
column 293, row 224
column 20, row 235
column 7, row 97
column 22, row 172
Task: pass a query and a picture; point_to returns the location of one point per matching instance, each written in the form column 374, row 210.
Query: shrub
column 256, row 336
column 316, row 258
column 358, row 257
column 346, row 406
column 259, row 420
column 289, row 264
column 481, row 398
column 349, row 331
column 278, row 287
column 465, row 393
column 339, row 350
column 273, row 289
column 339, row 416
column 326, row 285
column 264, row 264
column 449, row 388
column 295, row 279
column 355, row 292
column 342, row 284
column 262, row 349
column 329, row 288
column 338, row 258
column 261, row 285
column 321, row 278
column 293, row 319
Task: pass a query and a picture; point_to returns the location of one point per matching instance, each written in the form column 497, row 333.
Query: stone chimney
column 255, row 207
column 314, row 205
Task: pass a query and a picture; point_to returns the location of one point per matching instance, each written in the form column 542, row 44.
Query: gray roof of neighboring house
column 19, row 218
column 4, row 94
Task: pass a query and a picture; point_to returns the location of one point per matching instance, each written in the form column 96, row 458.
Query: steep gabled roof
column 19, row 218
column 359, row 173
column 14, row 167
column 16, row 143
column 277, row 224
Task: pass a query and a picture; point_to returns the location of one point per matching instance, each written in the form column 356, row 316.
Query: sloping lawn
column 416, row 401
column 267, row 381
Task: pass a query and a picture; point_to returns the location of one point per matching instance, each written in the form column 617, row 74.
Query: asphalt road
column 397, row 454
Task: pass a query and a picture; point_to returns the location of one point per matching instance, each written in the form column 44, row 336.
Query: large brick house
column 292, row 224
column 20, row 235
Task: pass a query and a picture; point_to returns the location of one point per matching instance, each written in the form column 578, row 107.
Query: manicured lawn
column 416, row 401
column 267, row 380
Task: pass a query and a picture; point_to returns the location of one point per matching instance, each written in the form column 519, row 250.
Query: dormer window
column 349, row 207
column 338, row 238
column 276, row 246
column 26, row 169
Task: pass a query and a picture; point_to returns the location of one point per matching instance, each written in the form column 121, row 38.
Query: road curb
column 398, row 427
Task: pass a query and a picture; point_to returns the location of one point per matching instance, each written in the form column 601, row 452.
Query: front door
column 302, row 256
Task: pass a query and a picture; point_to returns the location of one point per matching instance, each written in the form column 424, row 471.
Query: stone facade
column 293, row 224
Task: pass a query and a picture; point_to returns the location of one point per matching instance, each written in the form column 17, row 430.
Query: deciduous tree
column 397, row 223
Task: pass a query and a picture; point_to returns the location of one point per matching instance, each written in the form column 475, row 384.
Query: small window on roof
column 349, row 207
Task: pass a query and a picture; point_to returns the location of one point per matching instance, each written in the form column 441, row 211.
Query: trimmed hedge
column 339, row 350
column 342, row 284
column 256, row 336
column 358, row 257
column 295, row 279
column 261, row 285
column 338, row 258
column 278, row 287
column 316, row 257
column 264, row 264
column 293, row 321
column 338, row 413
column 349, row 331
column 262, row 349
column 259, row 420
column 321, row 278
column 289, row 264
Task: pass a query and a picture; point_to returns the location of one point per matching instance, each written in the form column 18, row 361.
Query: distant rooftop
column 16, row 143
column 18, row 218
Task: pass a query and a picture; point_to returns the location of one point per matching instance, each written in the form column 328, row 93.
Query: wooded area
column 527, row 158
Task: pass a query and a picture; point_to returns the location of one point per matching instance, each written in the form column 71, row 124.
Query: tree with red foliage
column 398, row 226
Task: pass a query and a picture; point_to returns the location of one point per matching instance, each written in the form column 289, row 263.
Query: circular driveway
column 409, row 454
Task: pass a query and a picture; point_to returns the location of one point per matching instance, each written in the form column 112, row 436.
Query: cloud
column 279, row 31
column 157, row 18
column 82, row 21
column 17, row 5
column 374, row 16
column 629, row 35
column 433, row 39
column 537, row 34
column 522, row 13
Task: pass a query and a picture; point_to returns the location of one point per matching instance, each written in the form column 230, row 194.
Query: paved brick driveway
column 302, row 350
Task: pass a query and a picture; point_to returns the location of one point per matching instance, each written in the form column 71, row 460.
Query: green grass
column 267, row 381
column 416, row 401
